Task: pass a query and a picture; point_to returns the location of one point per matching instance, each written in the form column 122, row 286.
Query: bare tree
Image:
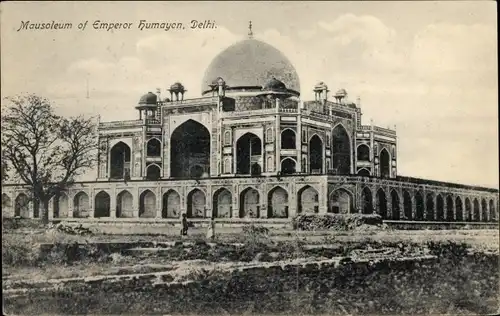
column 43, row 150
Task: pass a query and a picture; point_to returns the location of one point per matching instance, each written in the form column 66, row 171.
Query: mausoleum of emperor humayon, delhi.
column 251, row 148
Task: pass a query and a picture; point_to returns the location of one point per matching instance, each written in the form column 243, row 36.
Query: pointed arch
column 154, row 147
column 468, row 210
column 439, row 208
column 341, row 201
column 147, row 204
column 248, row 154
column 190, row 145
column 484, row 210
column 382, row 203
column 395, row 204
column 341, row 150
column 153, row 172
column 249, row 203
column 222, row 203
column 407, row 205
column 363, row 152
column 366, row 201
column 171, row 207
column 102, row 204
column 419, row 206
column 81, row 205
column 385, row 164
column 277, row 203
column 288, row 139
column 493, row 216
column 124, row 204
column 288, row 166
column 120, row 161
column 196, row 204
column 430, row 207
column 449, row 209
column 308, row 200
column 476, row 214
column 315, row 154
column 21, row 208
column 363, row 172
column 60, row 205
column 459, row 209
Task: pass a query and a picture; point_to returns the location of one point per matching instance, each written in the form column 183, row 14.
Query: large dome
column 251, row 63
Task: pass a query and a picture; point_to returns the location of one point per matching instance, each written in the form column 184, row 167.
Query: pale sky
column 428, row 67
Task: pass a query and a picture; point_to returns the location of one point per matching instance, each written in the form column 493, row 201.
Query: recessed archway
column 449, row 209
column 407, row 205
column 222, row 204
column 308, row 200
column 147, row 204
column 153, row 172
column 124, row 204
column 363, row 153
column 363, row 172
column 419, row 207
column 190, row 145
column 196, row 204
column 459, row 209
column 154, row 148
column 367, row 201
column 385, row 164
column 493, row 216
column 6, row 204
column 429, row 205
column 277, row 204
column 60, row 205
column 476, row 213
column 484, row 210
column 468, row 210
column 102, row 205
column 395, row 205
column 81, row 205
column 439, row 208
column 288, row 166
column 288, row 139
column 21, row 207
column 340, row 201
column 171, row 207
column 248, row 154
column 249, row 203
column 120, row 161
column 341, row 150
column 382, row 203
column 315, row 155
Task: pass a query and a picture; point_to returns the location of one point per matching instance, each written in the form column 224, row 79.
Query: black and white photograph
column 249, row 158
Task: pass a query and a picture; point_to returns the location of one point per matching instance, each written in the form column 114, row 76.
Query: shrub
column 334, row 221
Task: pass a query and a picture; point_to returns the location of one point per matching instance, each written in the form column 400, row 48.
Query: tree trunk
column 44, row 216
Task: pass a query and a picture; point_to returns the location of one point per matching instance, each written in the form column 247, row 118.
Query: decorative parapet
column 120, row 124
column 190, row 102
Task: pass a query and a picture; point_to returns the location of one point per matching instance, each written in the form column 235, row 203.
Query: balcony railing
column 116, row 124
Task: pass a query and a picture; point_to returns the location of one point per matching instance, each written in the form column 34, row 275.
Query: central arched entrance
column 277, row 204
column 341, row 150
column 315, row 155
column 120, row 161
column 248, row 154
column 190, row 146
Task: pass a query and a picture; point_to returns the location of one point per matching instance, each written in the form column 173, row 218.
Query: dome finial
column 250, row 32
